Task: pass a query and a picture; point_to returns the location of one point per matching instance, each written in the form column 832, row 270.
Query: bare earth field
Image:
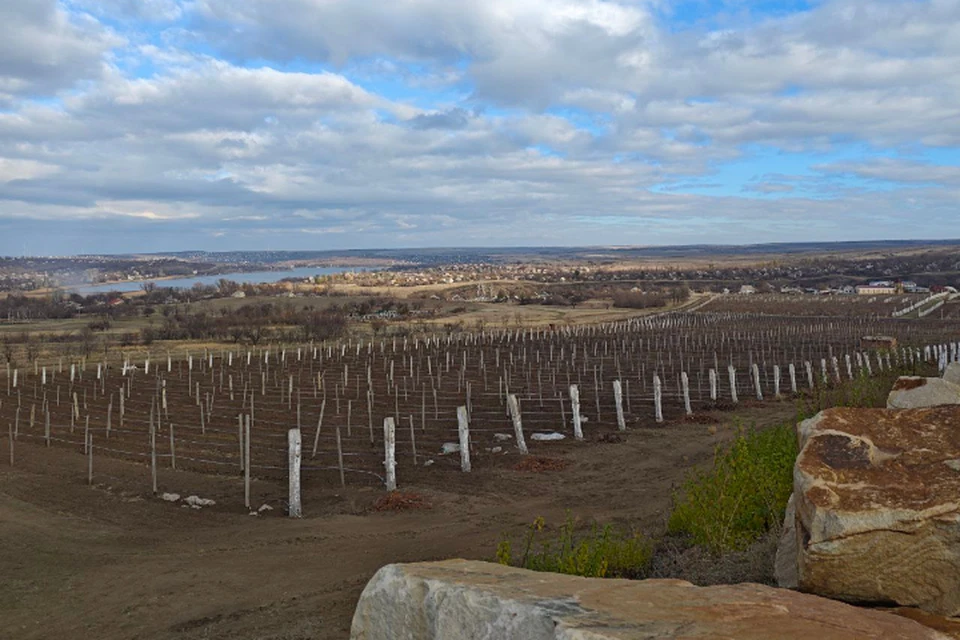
column 111, row 561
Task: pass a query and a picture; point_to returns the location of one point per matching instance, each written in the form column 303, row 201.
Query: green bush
column 743, row 496
column 605, row 552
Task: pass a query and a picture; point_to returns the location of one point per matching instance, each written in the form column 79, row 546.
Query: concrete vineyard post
column 657, row 399
column 575, row 410
column 463, row 426
column 240, row 437
column 294, row 446
column 685, row 383
column 732, row 373
column 713, row 385
column 390, row 452
column 517, row 423
column 756, row 381
column 246, row 464
column 618, row 400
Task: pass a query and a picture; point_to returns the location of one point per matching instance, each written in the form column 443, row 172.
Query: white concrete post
column 294, row 445
column 390, row 453
column 713, row 385
column 618, row 399
column 733, row 383
column 575, row 408
column 463, row 427
column 776, row 381
column 846, row 360
column 756, row 381
column 514, row 407
column 657, row 399
column 685, row 383
column 792, row 370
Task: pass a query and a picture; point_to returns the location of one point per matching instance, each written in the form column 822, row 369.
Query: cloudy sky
column 142, row 125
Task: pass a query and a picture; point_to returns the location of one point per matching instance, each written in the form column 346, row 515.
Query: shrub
column 605, row 552
column 743, row 496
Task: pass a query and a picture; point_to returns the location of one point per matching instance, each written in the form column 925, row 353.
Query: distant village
column 874, row 288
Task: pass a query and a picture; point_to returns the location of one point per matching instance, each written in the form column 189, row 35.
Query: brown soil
column 400, row 501
column 536, row 464
column 112, row 561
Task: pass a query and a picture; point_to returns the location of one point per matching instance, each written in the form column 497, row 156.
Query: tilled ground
column 112, row 561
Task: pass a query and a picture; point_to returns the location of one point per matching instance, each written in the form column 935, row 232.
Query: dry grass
column 676, row 557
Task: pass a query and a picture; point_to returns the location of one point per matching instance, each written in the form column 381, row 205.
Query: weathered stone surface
column 877, row 497
column 950, row 627
column 478, row 600
column 952, row 374
column 785, row 567
column 911, row 392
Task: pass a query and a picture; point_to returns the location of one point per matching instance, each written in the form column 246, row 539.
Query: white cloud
column 44, row 48
column 429, row 121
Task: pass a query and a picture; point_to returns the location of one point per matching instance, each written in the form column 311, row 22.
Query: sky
column 163, row 125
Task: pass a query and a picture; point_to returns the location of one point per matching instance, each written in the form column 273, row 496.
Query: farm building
column 880, row 288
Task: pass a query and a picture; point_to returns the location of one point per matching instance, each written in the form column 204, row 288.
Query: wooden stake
column 343, row 482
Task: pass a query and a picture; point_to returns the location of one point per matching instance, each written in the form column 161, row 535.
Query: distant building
column 877, row 289
column 748, row 289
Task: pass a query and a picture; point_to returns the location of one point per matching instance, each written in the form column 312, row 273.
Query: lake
column 252, row 277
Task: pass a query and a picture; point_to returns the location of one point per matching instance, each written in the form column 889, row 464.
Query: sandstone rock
column 911, row 392
column 952, row 374
column 478, row 600
column 950, row 627
column 877, row 498
column 785, row 567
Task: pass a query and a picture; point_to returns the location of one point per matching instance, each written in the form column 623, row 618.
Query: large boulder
column 478, row 600
column 913, row 392
column 877, row 502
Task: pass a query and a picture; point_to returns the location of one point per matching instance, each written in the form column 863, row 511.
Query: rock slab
column 482, row 601
column 952, row 373
column 913, row 392
column 877, row 508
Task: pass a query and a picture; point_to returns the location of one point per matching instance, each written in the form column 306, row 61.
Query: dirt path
column 110, row 561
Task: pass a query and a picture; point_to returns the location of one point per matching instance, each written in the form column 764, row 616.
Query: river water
column 253, row 277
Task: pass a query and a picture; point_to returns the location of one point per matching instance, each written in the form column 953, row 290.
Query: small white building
column 748, row 289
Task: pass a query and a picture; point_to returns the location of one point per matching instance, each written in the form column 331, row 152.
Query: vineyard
column 413, row 406
column 813, row 305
